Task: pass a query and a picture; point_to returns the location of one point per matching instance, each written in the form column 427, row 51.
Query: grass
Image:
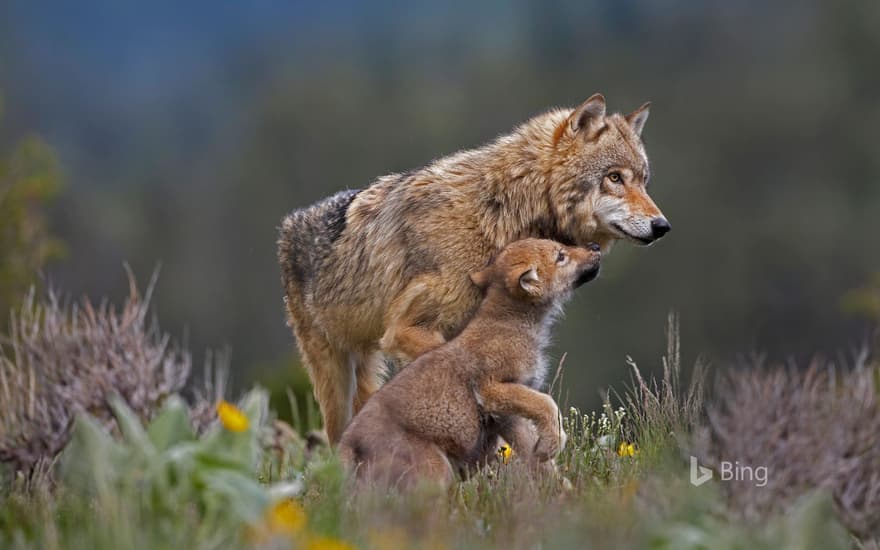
column 175, row 478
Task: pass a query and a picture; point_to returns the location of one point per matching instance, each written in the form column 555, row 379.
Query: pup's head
column 601, row 177
column 540, row 270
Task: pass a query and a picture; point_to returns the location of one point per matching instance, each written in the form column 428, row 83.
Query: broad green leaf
column 171, row 425
column 255, row 405
column 243, row 495
column 131, row 427
column 92, row 457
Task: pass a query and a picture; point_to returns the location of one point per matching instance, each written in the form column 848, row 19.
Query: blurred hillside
column 185, row 133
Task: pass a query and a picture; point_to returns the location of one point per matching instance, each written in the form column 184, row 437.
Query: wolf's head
column 540, row 270
column 600, row 177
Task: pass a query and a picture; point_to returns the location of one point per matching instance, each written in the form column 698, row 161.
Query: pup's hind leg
column 522, row 436
column 416, row 461
column 435, row 466
column 380, row 454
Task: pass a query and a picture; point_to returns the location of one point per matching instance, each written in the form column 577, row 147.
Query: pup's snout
column 660, row 227
column 589, row 260
column 586, row 274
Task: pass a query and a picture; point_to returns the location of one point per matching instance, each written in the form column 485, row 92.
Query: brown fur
column 383, row 272
column 445, row 410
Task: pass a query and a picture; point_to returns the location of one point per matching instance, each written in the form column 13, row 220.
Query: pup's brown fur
column 446, row 408
column 384, row 271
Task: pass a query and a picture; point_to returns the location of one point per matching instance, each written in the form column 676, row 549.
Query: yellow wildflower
column 286, row 517
column 626, row 449
column 231, row 416
column 505, row 453
column 318, row 542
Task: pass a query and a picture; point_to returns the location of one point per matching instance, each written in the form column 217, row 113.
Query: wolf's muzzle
column 659, row 227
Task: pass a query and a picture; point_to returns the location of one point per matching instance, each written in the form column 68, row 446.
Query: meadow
column 181, row 134
column 118, row 446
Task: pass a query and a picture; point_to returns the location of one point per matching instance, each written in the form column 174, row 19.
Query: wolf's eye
column 561, row 257
column 614, row 177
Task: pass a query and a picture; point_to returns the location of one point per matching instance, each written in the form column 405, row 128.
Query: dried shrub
column 61, row 359
column 663, row 409
column 814, row 429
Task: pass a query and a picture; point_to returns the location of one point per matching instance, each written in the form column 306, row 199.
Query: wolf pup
column 445, row 410
column 384, row 271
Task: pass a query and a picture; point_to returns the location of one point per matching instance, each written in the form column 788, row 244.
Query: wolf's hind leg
column 332, row 376
column 406, row 335
column 369, row 371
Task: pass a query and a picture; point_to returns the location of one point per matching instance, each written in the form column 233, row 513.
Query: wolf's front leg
column 514, row 399
column 406, row 334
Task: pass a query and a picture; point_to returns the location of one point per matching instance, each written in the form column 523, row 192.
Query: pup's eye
column 614, row 177
column 561, row 257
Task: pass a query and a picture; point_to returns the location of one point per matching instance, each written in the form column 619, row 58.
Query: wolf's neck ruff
column 514, row 173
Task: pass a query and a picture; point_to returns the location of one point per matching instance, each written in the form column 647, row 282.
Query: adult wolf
column 383, row 271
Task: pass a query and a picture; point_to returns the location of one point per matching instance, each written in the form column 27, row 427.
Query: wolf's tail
column 306, row 237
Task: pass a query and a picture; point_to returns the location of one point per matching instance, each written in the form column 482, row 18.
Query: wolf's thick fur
column 445, row 410
column 385, row 270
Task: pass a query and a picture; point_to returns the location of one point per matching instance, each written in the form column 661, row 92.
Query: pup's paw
column 549, row 444
column 408, row 345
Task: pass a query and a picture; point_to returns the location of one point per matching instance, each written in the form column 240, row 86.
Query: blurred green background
column 185, row 131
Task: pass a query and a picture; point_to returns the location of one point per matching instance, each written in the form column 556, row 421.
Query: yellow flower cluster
column 627, row 449
column 287, row 519
column 231, row 417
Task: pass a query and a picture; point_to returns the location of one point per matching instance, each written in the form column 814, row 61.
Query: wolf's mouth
column 623, row 233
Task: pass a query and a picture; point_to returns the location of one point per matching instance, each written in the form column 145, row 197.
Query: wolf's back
column 307, row 235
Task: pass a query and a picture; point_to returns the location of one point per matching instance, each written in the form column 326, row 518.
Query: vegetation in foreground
column 140, row 467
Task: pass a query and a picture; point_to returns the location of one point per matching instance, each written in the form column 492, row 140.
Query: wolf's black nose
column 594, row 247
column 660, row 227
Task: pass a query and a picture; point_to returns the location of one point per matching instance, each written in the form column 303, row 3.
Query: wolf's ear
column 483, row 277
column 638, row 118
column 589, row 115
column 530, row 282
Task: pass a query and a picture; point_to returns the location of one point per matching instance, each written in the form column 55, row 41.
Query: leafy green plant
column 163, row 466
column 29, row 181
column 165, row 462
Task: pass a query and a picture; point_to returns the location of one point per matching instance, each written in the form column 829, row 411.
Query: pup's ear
column 588, row 117
column 483, row 277
column 530, row 282
column 638, row 118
